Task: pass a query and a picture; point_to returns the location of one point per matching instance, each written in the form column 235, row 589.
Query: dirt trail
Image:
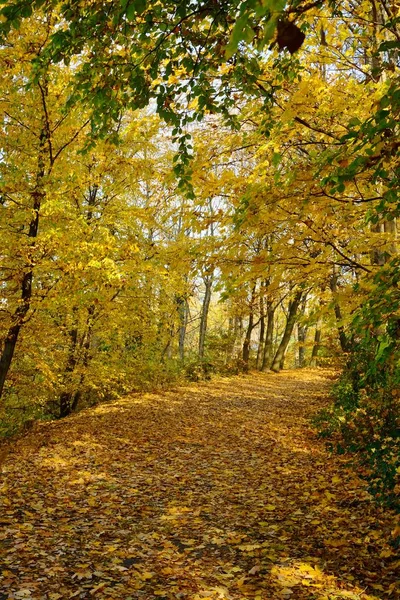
column 217, row 490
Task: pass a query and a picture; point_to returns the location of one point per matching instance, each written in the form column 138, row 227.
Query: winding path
column 217, row 490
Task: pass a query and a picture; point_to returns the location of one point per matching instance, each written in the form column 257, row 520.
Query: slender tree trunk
column 71, row 399
column 316, row 347
column 240, row 329
column 250, row 327
column 301, row 336
column 208, row 281
column 279, row 358
column 85, row 361
column 376, row 70
column 183, row 320
column 269, row 337
column 68, row 400
column 246, row 343
column 236, row 334
column 24, row 305
column 64, row 402
column 344, row 342
column 261, row 336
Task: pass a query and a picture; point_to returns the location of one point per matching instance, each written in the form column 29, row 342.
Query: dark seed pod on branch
column 289, row 36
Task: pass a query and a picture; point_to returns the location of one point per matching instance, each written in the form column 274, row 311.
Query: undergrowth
column 364, row 424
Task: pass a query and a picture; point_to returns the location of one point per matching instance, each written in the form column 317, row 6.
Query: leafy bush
column 364, row 419
column 370, row 431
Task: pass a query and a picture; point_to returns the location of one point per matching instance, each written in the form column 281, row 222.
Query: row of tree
column 243, row 205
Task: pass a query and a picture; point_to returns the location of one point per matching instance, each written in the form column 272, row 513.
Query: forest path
column 218, row 490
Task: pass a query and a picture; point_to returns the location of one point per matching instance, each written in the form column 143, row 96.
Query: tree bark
column 301, row 336
column 316, row 347
column 246, row 343
column 250, row 327
column 64, row 402
column 236, row 333
column 24, row 305
column 68, row 400
column 269, row 337
column 279, row 358
column 208, row 281
column 183, row 314
column 344, row 342
column 261, row 336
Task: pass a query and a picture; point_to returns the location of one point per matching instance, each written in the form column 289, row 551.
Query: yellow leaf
column 304, row 568
column 287, row 115
column 249, row 547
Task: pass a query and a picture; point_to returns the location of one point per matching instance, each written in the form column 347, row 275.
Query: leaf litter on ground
column 217, row 490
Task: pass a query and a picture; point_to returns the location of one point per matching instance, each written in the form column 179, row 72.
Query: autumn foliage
column 190, row 190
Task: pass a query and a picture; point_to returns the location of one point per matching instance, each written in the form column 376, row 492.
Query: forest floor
column 217, row 490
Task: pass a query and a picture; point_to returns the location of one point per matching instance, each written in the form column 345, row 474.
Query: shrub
column 364, row 420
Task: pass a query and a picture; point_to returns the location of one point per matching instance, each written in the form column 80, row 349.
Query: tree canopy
column 187, row 57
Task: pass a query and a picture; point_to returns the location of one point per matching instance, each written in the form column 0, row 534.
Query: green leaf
column 238, row 34
column 276, row 159
column 135, row 8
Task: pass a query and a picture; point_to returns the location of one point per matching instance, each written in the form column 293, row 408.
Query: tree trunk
column 183, row 314
column 75, row 398
column 208, row 281
column 269, row 337
column 261, row 336
column 301, row 336
column 250, row 327
column 231, row 339
column 68, row 400
column 344, row 342
column 316, row 347
column 279, row 358
column 22, row 310
column 236, row 333
column 64, row 402
column 246, row 343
